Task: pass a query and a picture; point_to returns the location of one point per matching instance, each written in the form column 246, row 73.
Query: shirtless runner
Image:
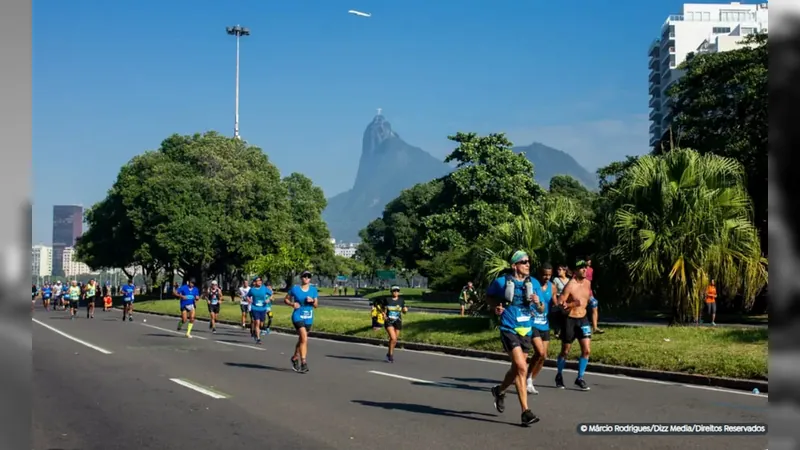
column 575, row 298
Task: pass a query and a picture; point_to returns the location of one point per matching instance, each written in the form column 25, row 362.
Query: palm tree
column 545, row 231
column 683, row 219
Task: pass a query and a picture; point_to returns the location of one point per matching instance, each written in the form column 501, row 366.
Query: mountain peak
column 378, row 131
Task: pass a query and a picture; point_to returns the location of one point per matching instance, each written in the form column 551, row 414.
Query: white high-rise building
column 71, row 266
column 346, row 250
column 41, row 260
column 701, row 28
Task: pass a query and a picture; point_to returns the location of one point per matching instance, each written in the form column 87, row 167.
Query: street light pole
column 238, row 32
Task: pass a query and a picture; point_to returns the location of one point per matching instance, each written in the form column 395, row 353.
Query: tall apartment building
column 346, row 250
column 67, row 228
column 70, row 265
column 41, row 260
column 715, row 27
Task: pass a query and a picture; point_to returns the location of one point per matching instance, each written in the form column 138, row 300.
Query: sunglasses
column 524, row 261
column 306, row 276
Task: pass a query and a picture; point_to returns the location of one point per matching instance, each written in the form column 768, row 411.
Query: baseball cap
column 396, row 288
column 214, row 282
column 305, row 273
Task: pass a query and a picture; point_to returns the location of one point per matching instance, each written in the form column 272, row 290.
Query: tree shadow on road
column 256, row 366
column 425, row 409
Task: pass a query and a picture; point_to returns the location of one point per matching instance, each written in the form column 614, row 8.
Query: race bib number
column 259, row 303
column 586, row 330
column 540, row 320
column 307, row 315
column 394, row 315
column 523, row 318
column 214, row 301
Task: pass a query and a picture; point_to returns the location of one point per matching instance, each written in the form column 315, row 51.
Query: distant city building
column 702, row 28
column 67, row 228
column 71, row 266
column 346, row 250
column 41, row 261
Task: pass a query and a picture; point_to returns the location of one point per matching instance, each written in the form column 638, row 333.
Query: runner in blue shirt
column 514, row 296
column 304, row 299
column 188, row 294
column 260, row 298
column 65, row 296
column 127, row 292
column 546, row 291
column 47, row 293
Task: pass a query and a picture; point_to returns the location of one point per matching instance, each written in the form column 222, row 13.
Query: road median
column 728, row 358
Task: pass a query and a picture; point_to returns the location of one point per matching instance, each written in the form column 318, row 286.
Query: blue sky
column 112, row 79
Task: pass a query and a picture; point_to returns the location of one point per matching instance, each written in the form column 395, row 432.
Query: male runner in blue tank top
column 259, row 297
column 188, row 294
column 514, row 296
column 127, row 300
column 304, row 299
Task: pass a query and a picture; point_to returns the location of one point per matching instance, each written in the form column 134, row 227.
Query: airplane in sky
column 359, row 13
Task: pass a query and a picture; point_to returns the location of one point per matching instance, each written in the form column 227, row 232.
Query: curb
column 670, row 377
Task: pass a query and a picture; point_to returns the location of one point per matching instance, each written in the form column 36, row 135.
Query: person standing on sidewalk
column 711, row 302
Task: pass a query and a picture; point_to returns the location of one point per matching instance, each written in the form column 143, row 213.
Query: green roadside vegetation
column 723, row 352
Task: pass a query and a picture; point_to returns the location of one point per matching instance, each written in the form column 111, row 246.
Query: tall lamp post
column 238, row 32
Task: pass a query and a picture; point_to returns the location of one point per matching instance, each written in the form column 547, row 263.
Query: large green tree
column 202, row 204
column 683, row 219
column 720, row 107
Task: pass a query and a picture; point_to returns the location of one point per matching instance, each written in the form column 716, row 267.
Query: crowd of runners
column 528, row 305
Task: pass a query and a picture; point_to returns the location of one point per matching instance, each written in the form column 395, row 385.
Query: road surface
column 105, row 384
column 360, row 303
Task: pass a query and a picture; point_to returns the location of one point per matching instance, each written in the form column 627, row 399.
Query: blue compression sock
column 582, row 363
column 562, row 362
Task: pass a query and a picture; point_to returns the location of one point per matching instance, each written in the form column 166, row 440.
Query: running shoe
column 499, row 399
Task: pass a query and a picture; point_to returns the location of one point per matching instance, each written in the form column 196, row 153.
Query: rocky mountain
column 549, row 162
column 388, row 165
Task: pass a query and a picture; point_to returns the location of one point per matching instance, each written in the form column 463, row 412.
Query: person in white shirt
column 244, row 304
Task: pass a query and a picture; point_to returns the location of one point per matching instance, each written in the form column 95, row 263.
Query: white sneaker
column 531, row 389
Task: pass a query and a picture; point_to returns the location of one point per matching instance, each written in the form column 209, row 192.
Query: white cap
column 214, row 282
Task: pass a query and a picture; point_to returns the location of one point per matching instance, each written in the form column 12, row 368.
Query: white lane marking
column 171, row 331
column 492, row 361
column 198, row 388
column 240, row 345
column 73, row 338
column 413, row 380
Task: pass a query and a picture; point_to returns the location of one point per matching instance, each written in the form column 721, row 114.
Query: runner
column 557, row 317
column 244, row 304
column 47, row 294
column 89, row 293
column 541, row 326
column 127, row 292
column 74, row 295
column 34, row 292
column 188, row 294
column 267, row 329
column 259, row 297
column 108, row 302
column 304, row 299
column 65, row 296
column 575, row 299
column 57, row 299
column 393, row 308
column 513, row 295
column 213, row 299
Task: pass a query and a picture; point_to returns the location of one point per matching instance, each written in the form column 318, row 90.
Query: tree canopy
column 720, row 107
column 200, row 205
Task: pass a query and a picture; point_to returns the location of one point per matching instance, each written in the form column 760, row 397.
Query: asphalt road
column 359, row 303
column 118, row 388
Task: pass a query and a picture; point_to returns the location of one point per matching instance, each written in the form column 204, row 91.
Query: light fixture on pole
column 237, row 31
